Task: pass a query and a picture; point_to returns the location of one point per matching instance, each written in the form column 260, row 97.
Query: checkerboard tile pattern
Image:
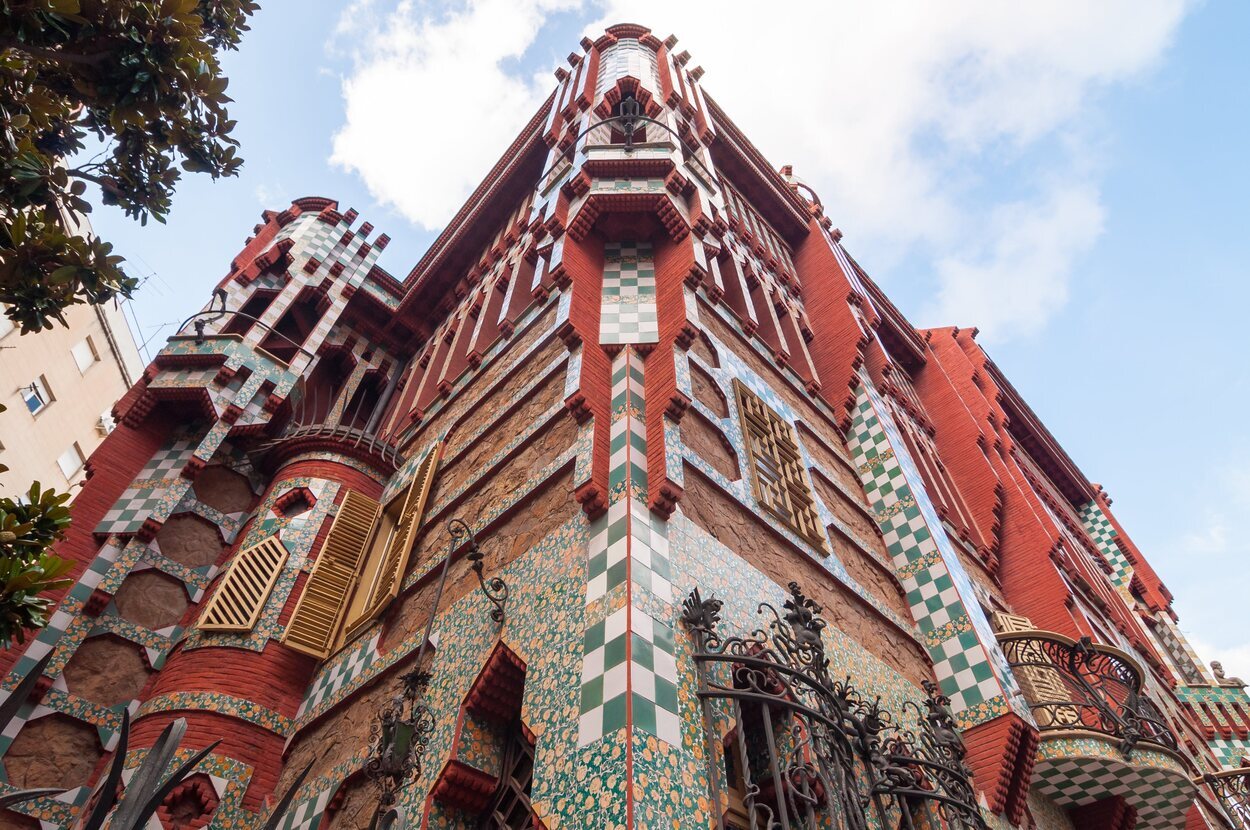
column 1161, row 794
column 307, row 815
column 627, row 466
column 627, row 310
column 605, row 677
column 1099, row 528
column 628, row 654
column 941, row 596
column 1178, row 648
column 154, row 487
column 335, row 675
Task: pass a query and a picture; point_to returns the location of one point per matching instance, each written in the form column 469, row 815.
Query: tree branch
column 53, row 55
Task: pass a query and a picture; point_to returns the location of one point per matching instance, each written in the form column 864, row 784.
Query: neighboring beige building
column 59, row 386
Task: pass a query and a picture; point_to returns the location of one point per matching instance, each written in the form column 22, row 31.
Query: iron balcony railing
column 1232, row 788
column 1082, row 685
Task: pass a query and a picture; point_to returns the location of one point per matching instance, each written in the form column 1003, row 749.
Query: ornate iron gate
column 805, row 751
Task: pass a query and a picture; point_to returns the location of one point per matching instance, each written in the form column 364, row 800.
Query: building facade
column 59, row 389
column 738, row 546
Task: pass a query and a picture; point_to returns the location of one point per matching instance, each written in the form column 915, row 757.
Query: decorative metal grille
column 510, row 807
column 241, row 596
column 1083, row 685
column 1232, row 787
column 805, row 751
column 778, row 479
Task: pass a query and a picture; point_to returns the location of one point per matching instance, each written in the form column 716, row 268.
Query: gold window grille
column 361, row 565
column 777, row 477
column 241, row 596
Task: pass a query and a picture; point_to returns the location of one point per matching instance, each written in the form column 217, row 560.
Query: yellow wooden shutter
column 1040, row 684
column 243, row 590
column 315, row 621
column 389, row 576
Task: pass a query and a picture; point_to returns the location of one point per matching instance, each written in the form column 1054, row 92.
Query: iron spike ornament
column 799, row 750
column 494, row 589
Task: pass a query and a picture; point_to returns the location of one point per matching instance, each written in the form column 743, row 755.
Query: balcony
column 1101, row 735
column 1232, row 788
column 1079, row 685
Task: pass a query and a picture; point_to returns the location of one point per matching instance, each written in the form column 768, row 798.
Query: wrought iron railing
column 630, row 132
column 805, row 751
column 1078, row 684
column 1232, row 788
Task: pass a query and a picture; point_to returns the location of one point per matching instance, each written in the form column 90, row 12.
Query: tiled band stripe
column 627, row 309
column 629, row 654
column 1099, row 528
column 958, row 636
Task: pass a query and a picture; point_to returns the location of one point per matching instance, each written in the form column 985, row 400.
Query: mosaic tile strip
column 338, row 672
column 628, row 311
column 221, row 704
column 1099, row 528
column 968, row 664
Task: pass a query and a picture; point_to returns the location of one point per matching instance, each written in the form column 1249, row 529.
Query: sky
column 1069, row 177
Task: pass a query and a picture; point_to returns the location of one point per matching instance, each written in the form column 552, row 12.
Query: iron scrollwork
column 1082, row 685
column 1232, row 788
column 804, row 750
column 494, row 589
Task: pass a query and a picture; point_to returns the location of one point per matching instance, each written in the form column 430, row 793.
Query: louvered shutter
column 315, row 621
column 246, row 586
column 390, row 572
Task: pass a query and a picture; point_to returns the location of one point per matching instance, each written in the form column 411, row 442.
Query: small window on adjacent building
column 85, row 354
column 777, row 476
column 71, row 460
column 37, row 395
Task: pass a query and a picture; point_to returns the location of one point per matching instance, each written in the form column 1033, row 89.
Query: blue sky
column 1074, row 183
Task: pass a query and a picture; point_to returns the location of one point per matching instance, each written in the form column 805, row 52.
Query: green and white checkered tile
column 627, row 463
column 1178, row 648
column 605, row 677
column 650, row 568
column 346, row 667
column 627, row 309
column 645, row 673
column 1160, row 796
column 608, row 552
column 940, row 594
column 1229, row 753
column 307, row 815
column 1099, row 528
column 653, row 678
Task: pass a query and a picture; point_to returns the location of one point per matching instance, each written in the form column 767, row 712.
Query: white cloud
column 907, row 117
column 429, row 107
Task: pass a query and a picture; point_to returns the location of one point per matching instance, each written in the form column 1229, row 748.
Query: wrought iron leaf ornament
column 805, row 751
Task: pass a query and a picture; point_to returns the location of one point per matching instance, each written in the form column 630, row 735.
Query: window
column 780, row 485
column 6, row 324
column 245, row 588
column 37, row 395
column 71, row 460
column 361, row 566
column 85, row 354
